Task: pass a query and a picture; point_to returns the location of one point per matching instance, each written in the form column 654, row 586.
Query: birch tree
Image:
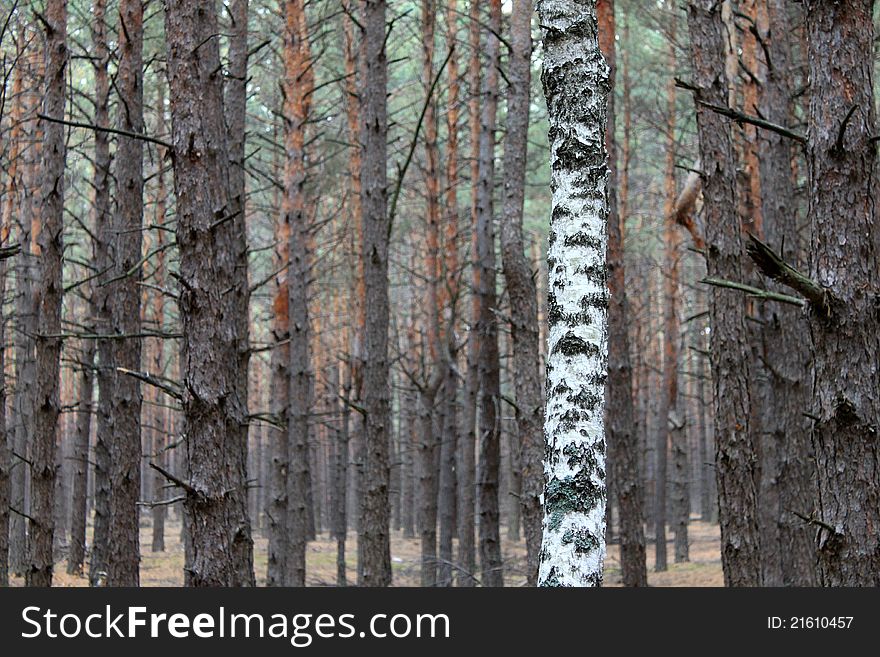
column 576, row 84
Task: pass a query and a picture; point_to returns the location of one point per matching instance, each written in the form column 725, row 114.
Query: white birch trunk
column 575, row 79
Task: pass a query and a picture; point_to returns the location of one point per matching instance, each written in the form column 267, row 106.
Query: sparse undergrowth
column 166, row 568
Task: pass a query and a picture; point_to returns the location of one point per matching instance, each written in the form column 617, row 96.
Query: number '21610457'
column 809, row 622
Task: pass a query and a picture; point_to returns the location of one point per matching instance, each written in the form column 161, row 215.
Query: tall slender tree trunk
column 80, row 457
column 673, row 419
column 521, row 286
column 619, row 413
column 353, row 381
column 576, row 85
column 427, row 478
column 99, row 301
column 298, row 87
column 235, row 109
column 449, row 299
column 125, row 304
column 734, row 441
column 787, row 460
column 61, row 509
column 279, row 400
column 707, row 476
column 431, row 397
column 340, row 522
column 13, row 200
column 679, row 451
column 23, row 341
column 5, row 444
column 353, row 51
column 669, row 396
column 220, row 547
column 446, row 484
column 448, row 473
column 467, row 443
column 48, row 343
column 160, row 415
column 488, row 361
column 407, row 419
column 375, row 520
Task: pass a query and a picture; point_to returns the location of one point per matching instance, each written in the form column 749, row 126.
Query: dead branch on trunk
column 773, row 266
column 755, row 292
column 742, row 117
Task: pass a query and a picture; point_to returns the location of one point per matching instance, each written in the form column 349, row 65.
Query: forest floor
column 703, row 569
column 166, row 568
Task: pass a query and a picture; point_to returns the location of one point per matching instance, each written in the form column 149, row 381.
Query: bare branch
column 415, row 140
column 172, row 478
column 114, row 131
column 741, row 117
column 756, row 292
column 772, row 265
column 153, row 381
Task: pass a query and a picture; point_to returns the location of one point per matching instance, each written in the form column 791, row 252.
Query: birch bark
column 576, row 84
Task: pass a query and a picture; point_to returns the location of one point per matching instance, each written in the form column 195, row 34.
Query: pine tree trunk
column 787, row 459
column 5, row 444
column 450, row 291
column 446, row 484
column 61, row 508
column 430, row 397
column 844, row 260
column 707, row 476
column 468, row 436
column 729, row 346
column 408, row 413
column 298, row 88
column 99, row 303
column 447, row 290
column 396, row 463
column 619, row 415
column 279, row 376
column 679, row 450
column 340, row 523
column 576, row 85
column 672, row 416
column 124, row 291
column 160, row 415
column 48, row 343
column 235, row 109
column 13, row 200
column 24, row 314
column 374, row 529
column 80, row 458
column 258, row 473
column 488, row 361
column 219, row 545
column 521, row 285
column 666, row 431
column 427, row 493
